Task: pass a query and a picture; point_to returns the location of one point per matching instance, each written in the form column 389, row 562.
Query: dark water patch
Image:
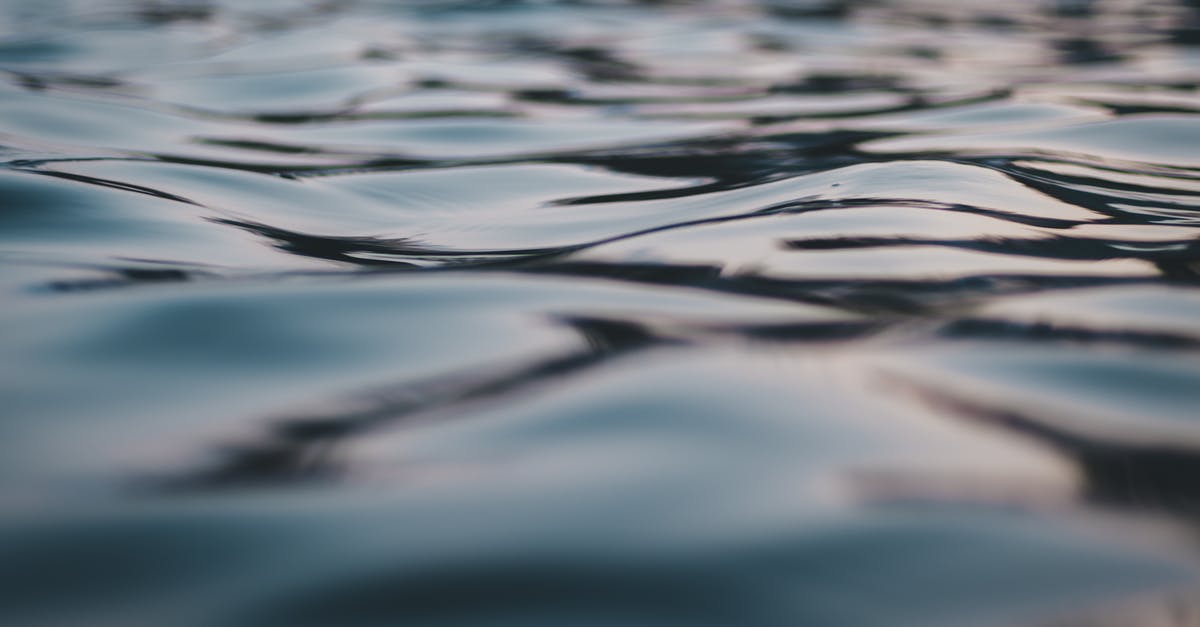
column 302, row 448
column 975, row 328
column 1133, row 475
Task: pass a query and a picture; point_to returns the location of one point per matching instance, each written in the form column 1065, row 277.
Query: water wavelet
column 1149, row 138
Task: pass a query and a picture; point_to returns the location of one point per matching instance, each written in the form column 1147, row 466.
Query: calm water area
column 724, row 313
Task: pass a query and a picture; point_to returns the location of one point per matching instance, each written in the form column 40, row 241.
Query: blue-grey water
column 730, row 313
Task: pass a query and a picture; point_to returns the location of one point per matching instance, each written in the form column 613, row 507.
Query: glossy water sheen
column 734, row 313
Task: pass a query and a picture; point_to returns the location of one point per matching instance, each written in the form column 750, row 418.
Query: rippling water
column 731, row 313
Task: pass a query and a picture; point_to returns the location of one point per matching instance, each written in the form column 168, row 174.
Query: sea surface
column 738, row 313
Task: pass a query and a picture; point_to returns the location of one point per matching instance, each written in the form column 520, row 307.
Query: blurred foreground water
column 730, row 313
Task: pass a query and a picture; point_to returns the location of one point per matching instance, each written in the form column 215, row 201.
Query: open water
column 731, row 313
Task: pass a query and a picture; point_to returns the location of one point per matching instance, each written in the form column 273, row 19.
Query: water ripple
column 589, row 312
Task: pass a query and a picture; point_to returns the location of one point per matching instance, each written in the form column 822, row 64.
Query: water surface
column 755, row 313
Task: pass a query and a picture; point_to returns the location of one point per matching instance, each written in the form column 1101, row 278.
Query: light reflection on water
column 599, row 313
